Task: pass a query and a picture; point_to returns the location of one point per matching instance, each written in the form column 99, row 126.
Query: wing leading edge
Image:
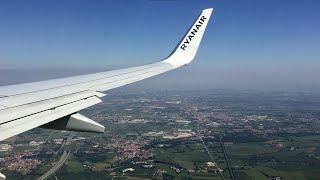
column 30, row 105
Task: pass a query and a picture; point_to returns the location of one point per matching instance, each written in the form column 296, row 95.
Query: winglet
column 189, row 44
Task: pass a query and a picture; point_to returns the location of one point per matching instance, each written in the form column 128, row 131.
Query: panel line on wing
column 2, row 107
column 45, row 110
column 25, row 110
column 34, row 102
column 128, row 78
column 14, row 101
column 39, row 119
column 127, row 73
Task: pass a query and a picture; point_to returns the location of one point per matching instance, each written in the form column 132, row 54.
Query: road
column 66, row 154
column 204, row 144
column 226, row 158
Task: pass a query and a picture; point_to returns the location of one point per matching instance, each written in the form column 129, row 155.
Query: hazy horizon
column 192, row 77
column 248, row 44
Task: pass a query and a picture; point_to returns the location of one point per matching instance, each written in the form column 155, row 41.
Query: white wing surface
column 54, row 103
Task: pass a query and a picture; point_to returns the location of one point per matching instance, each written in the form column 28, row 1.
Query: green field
column 262, row 173
column 245, row 149
column 296, row 159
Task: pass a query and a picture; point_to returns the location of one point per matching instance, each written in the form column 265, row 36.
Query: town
column 180, row 134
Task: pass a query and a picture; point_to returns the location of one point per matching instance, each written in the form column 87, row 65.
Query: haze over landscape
column 249, row 44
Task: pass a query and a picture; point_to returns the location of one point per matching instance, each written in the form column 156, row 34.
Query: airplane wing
column 55, row 103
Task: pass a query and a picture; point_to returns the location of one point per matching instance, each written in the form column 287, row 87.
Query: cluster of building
column 20, row 162
column 128, row 148
column 180, row 133
column 25, row 159
column 5, row 147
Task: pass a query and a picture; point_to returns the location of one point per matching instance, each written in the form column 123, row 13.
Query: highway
column 66, row 154
column 205, row 146
column 226, row 157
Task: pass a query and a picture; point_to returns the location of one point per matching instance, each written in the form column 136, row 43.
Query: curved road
column 59, row 164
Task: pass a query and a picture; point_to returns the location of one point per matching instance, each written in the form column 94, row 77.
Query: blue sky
column 242, row 35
